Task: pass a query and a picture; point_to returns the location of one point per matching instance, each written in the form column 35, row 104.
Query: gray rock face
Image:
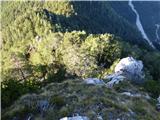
column 128, row 68
column 114, row 79
column 129, row 64
column 131, row 69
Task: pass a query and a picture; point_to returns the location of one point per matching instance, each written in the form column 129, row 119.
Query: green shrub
column 84, row 55
column 153, row 87
column 105, row 48
column 57, row 100
column 152, row 63
column 13, row 89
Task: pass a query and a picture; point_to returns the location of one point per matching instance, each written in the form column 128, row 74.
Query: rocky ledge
column 74, row 98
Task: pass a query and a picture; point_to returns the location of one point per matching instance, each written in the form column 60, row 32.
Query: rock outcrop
column 131, row 68
column 128, row 68
column 114, row 79
column 74, row 100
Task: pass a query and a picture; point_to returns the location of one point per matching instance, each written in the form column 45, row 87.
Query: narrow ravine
column 139, row 25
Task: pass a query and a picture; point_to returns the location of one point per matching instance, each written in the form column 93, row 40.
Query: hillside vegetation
column 51, row 42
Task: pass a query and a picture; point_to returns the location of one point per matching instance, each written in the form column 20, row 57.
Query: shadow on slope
column 96, row 18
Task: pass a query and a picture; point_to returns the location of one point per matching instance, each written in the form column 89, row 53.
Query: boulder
column 131, row 69
column 129, row 64
column 128, row 68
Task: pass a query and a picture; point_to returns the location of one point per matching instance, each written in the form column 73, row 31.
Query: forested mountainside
column 49, row 48
column 149, row 13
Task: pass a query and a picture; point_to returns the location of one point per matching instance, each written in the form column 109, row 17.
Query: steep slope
column 51, row 42
column 98, row 17
column 74, row 97
column 93, row 17
column 149, row 13
column 139, row 25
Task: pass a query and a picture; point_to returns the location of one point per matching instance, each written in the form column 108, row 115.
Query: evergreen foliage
column 49, row 41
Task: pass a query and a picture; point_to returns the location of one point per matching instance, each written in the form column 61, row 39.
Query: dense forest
column 147, row 14
column 59, row 42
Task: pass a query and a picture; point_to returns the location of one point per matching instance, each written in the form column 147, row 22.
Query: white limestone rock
column 131, row 69
column 146, row 96
column 114, row 79
column 131, row 94
column 127, row 94
column 129, row 64
column 94, row 81
column 75, row 118
column 127, row 68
